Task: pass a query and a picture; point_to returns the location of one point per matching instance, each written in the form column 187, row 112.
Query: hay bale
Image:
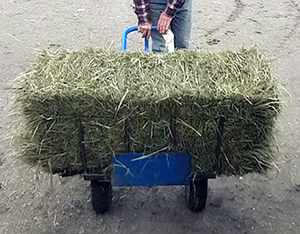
column 172, row 102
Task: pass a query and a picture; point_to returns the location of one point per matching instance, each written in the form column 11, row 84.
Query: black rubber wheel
column 196, row 194
column 101, row 196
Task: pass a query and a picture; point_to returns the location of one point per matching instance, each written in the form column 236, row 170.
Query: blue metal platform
column 138, row 169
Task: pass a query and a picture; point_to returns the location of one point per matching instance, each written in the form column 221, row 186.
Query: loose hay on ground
column 172, row 102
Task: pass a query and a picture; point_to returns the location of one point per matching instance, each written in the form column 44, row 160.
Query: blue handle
column 129, row 30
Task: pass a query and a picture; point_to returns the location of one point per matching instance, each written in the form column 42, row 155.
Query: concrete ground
column 250, row 204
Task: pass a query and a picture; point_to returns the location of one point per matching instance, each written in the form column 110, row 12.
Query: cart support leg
column 101, row 196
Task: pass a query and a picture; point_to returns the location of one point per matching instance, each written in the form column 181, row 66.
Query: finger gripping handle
column 129, row 30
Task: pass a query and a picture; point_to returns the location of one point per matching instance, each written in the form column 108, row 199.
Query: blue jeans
column 180, row 25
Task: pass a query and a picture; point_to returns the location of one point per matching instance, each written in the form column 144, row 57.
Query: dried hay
column 171, row 102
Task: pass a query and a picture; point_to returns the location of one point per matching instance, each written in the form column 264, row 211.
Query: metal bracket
column 218, row 162
column 205, row 175
column 90, row 173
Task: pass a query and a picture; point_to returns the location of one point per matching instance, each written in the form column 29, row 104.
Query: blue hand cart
column 138, row 169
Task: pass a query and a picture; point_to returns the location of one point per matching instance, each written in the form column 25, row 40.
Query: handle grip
column 129, row 30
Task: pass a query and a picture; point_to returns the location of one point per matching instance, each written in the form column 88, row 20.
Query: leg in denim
column 180, row 25
column 158, row 41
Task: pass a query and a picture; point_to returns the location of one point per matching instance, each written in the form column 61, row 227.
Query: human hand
column 164, row 22
column 145, row 29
